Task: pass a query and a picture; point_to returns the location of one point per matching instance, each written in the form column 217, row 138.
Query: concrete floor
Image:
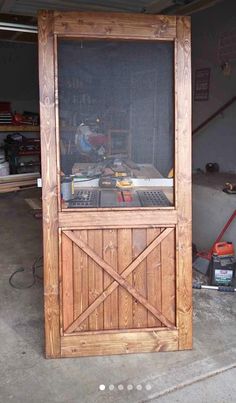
column 206, row 374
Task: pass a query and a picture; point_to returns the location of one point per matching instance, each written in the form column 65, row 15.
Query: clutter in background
column 219, row 263
column 7, row 117
column 19, row 153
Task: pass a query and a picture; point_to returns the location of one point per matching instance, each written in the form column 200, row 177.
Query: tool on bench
column 201, row 263
column 124, row 183
column 108, row 182
column 112, row 183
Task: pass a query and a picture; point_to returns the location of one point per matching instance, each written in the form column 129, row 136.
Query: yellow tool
column 120, row 174
column 124, row 183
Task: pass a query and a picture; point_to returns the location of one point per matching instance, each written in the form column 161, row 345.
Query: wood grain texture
column 139, row 278
column 115, row 25
column 183, row 183
column 168, row 277
column 95, row 279
column 67, row 281
column 119, row 343
column 154, row 276
column 117, row 219
column 118, row 279
column 81, row 280
column 97, row 288
column 124, row 260
column 110, row 256
column 49, row 178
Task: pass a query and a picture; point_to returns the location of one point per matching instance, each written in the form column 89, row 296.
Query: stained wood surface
column 154, row 270
column 140, row 278
column 124, row 275
column 168, row 277
column 49, row 190
column 80, row 280
column 183, row 183
column 115, row 25
column 95, row 279
column 67, row 281
column 124, row 260
column 99, row 313
column 111, row 308
column 119, row 343
column 119, row 219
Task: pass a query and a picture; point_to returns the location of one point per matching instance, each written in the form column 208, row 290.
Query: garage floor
column 206, row 374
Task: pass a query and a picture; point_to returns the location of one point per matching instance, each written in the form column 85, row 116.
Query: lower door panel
column 117, row 291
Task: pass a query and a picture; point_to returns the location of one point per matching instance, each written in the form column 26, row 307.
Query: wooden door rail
column 213, row 116
column 119, row 279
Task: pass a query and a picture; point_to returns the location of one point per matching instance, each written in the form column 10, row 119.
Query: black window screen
column 116, row 123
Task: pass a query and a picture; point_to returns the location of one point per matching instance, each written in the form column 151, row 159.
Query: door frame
column 52, row 25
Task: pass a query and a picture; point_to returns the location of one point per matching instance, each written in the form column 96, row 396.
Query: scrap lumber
column 17, row 182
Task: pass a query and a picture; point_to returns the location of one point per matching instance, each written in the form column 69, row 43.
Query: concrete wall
column 217, row 141
column 19, row 76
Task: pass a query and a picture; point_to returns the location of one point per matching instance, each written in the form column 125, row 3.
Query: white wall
column 217, row 141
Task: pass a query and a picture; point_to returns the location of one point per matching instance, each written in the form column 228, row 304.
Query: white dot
column 120, row 387
column 130, row 387
column 102, row 387
column 111, row 387
column 139, row 387
column 148, row 386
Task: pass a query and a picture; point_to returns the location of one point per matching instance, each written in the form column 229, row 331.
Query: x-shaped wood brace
column 119, row 279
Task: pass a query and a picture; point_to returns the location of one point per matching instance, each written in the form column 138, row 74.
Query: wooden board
column 119, row 343
column 183, row 183
column 12, row 128
column 115, row 25
column 49, row 190
column 95, row 285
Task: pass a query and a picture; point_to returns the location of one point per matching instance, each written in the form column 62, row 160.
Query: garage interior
column 196, row 375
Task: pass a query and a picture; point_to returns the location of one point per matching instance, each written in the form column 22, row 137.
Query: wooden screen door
column 115, row 281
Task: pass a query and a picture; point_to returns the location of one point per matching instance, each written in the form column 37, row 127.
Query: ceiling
column 25, row 11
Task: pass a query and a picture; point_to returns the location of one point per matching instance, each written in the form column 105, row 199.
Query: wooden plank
column 110, row 256
column 168, row 276
column 118, row 280
column 49, row 191
column 139, row 242
column 95, row 279
column 7, row 190
column 14, row 128
column 154, row 276
column 18, row 183
column 119, row 343
column 67, row 281
column 81, row 273
column 115, row 25
column 124, row 260
column 112, row 331
column 19, row 177
column 183, row 183
column 118, row 219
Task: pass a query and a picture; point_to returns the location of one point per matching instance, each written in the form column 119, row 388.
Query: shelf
column 15, row 128
column 22, row 153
